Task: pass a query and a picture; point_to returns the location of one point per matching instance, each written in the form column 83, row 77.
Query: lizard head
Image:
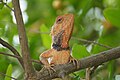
column 63, row 23
column 62, row 30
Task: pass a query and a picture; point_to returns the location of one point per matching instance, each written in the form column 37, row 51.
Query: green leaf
column 96, row 49
column 111, row 69
column 1, row 31
column 117, row 77
column 111, row 39
column 111, row 3
column 46, row 38
column 113, row 15
column 79, row 51
column 8, row 72
column 80, row 73
column 3, row 62
column 1, row 5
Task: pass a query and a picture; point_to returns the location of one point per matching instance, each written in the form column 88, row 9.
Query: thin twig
column 88, row 77
column 41, row 32
column 7, row 45
column 83, row 40
column 87, row 41
column 8, row 76
column 9, row 55
column 12, row 49
column 8, row 6
column 36, row 61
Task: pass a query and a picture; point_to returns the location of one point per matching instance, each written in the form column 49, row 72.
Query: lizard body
column 61, row 34
column 55, row 57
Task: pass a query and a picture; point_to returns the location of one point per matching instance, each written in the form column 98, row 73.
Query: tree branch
column 35, row 61
column 8, row 6
column 29, row 70
column 13, row 50
column 88, row 41
column 10, row 55
column 90, row 61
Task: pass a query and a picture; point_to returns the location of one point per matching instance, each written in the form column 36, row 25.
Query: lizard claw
column 49, row 68
column 74, row 61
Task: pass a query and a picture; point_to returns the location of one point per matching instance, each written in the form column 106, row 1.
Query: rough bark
column 29, row 70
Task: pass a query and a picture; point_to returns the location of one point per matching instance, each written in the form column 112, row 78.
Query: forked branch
column 13, row 50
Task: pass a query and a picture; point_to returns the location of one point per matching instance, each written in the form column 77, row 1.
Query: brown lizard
column 61, row 34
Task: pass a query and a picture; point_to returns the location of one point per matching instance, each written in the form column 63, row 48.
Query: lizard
column 60, row 52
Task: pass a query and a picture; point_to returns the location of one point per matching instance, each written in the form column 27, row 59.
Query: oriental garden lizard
column 60, row 52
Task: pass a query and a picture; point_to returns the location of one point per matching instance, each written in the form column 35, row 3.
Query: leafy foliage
column 96, row 20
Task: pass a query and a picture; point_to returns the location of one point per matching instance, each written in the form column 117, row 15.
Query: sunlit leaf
column 79, row 51
column 111, row 3
column 1, row 5
column 113, row 15
column 8, row 72
column 46, row 38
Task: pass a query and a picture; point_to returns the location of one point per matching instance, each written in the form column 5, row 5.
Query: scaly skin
column 63, row 24
column 61, row 34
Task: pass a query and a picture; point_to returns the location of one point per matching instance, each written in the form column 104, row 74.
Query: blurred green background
column 96, row 20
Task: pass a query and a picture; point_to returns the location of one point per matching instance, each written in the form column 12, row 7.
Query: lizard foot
column 74, row 61
column 49, row 68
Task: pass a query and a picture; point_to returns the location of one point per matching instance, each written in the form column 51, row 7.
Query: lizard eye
column 59, row 20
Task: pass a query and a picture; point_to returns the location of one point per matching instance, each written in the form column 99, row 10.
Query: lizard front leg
column 75, row 61
column 44, row 59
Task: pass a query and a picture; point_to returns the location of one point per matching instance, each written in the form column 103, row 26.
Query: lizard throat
column 58, row 47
